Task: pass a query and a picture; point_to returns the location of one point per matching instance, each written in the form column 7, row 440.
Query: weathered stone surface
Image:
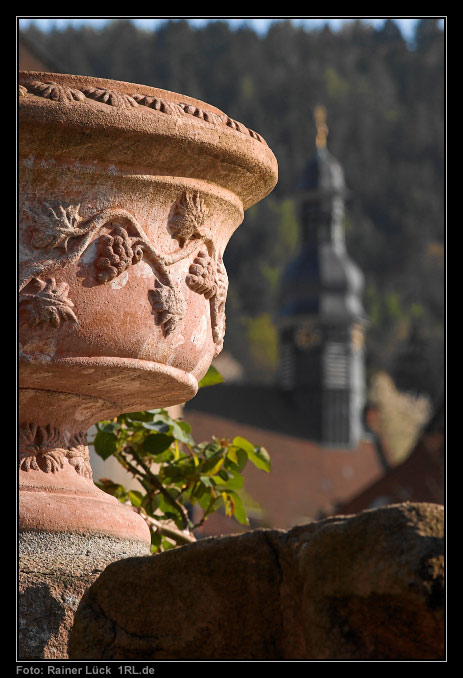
column 372, row 586
column 368, row 586
column 55, row 570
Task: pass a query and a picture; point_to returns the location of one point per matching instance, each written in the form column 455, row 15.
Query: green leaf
column 198, row 491
column 182, row 434
column 211, row 378
column 159, row 426
column 135, row 498
column 184, row 425
column 211, row 449
column 242, row 460
column 173, row 474
column 205, row 501
column 239, row 512
column 232, row 482
column 110, row 426
column 231, row 454
column 243, row 444
column 140, row 416
column 105, row 444
column 136, row 436
column 112, row 488
column 218, row 503
column 260, row 458
column 207, row 481
column 151, row 503
column 156, row 443
column 156, row 539
column 213, row 465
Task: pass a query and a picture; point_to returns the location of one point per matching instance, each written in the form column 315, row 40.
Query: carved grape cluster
column 202, row 275
column 168, row 305
column 209, row 278
column 116, row 254
column 218, row 307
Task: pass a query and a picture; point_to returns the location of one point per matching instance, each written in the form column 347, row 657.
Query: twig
column 159, row 486
column 177, row 535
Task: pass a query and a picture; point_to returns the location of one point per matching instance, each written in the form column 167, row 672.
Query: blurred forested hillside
column 385, row 102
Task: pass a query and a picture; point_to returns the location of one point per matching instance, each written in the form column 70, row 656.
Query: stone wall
column 368, row 586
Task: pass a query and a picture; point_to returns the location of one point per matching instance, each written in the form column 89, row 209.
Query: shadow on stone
column 39, row 614
column 368, row 586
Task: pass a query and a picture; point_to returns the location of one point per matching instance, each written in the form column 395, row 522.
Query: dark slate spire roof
column 324, row 283
column 323, row 175
column 323, row 280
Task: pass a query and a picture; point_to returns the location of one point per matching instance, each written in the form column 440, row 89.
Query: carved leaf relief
column 54, row 227
column 43, row 448
column 108, row 96
column 187, row 219
column 168, row 107
column 51, row 90
column 47, row 303
column 78, row 455
column 40, row 448
column 50, row 462
column 202, row 275
column 55, row 92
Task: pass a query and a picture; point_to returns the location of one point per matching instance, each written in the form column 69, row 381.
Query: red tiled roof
column 306, row 481
column 421, row 477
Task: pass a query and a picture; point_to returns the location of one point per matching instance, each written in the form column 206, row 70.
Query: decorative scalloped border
column 55, row 92
column 45, row 448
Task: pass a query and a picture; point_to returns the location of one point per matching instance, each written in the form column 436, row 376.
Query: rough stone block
column 369, row 586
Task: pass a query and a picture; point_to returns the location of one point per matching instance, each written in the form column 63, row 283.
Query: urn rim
column 84, row 111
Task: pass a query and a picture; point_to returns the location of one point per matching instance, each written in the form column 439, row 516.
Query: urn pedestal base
column 69, row 530
column 56, row 489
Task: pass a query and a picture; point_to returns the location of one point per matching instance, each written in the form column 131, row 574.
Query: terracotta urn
column 128, row 197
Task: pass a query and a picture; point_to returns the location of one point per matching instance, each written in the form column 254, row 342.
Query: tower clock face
column 307, row 337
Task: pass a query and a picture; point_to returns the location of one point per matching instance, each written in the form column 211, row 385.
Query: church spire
column 321, row 314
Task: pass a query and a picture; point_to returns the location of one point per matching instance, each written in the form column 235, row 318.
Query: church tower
column 322, row 320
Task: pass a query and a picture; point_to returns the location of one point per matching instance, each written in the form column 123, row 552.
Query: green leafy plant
column 176, row 473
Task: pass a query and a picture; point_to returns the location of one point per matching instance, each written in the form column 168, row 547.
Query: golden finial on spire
column 322, row 129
